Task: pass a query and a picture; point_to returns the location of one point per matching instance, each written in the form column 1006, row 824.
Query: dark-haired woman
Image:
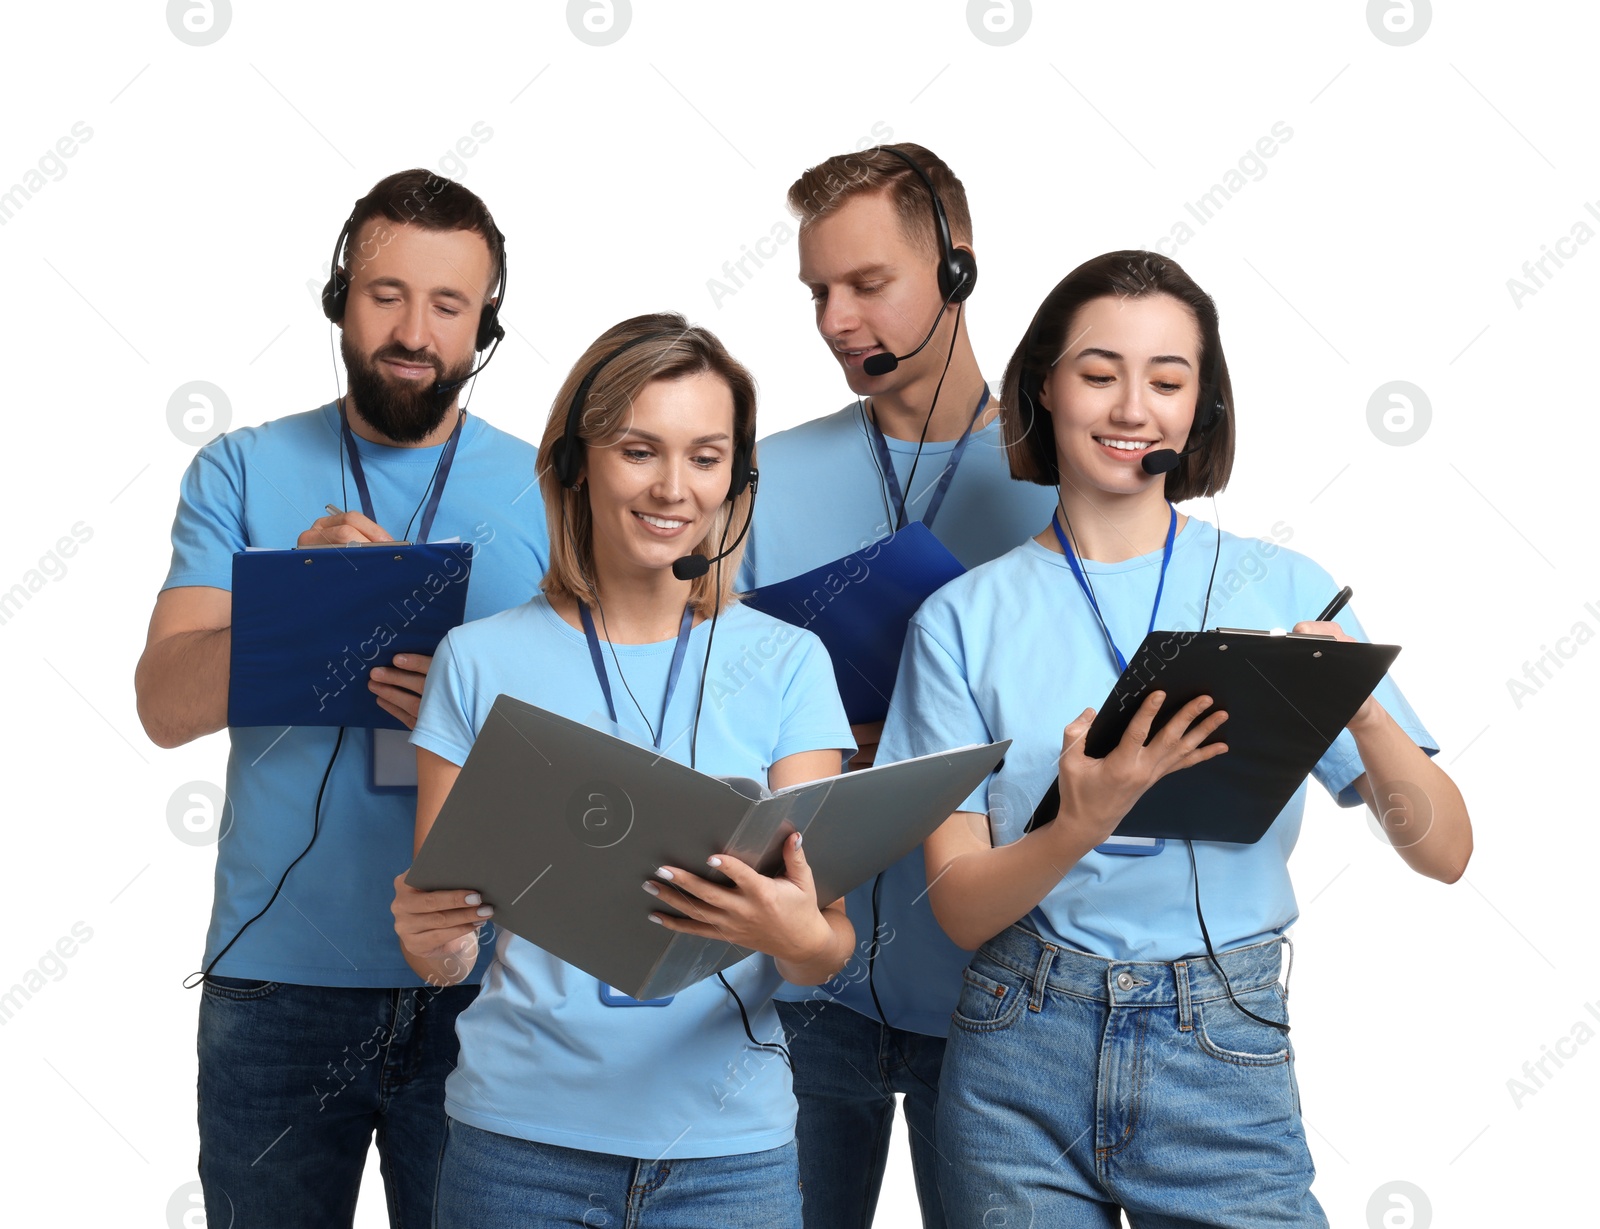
column 1099, row 1058
column 571, row 1105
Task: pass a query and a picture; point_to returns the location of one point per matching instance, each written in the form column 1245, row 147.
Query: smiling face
column 1124, row 385
column 655, row 488
column 875, row 290
column 410, row 322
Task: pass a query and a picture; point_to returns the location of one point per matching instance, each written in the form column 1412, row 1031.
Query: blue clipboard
column 309, row 625
column 860, row 606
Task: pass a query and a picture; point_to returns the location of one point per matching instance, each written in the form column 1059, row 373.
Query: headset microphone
column 693, row 567
column 446, row 386
column 1165, row 460
column 883, row 364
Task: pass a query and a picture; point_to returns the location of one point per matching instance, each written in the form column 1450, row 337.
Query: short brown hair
column 843, row 177
column 672, row 350
column 421, row 198
column 1030, row 436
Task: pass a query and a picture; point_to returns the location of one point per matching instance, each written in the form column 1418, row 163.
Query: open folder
column 1287, row 698
column 860, row 606
column 309, row 625
column 559, row 825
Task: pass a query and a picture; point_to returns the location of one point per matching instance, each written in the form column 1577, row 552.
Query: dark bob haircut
column 1029, row 430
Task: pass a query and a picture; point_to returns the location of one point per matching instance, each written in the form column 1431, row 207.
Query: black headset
column 1209, row 408
column 958, row 268
column 336, row 293
column 566, row 456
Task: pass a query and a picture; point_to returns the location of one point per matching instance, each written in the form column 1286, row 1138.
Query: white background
column 187, row 237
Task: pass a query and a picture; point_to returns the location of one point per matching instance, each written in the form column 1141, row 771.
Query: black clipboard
column 1287, row 698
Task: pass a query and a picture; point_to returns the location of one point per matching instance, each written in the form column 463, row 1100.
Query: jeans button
column 1124, row 981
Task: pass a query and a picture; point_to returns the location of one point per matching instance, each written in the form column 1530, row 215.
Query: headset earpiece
column 742, row 474
column 489, row 327
column 958, row 274
column 336, row 290
column 958, row 268
column 490, row 330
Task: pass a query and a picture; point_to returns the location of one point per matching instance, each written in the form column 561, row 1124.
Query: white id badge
column 392, row 762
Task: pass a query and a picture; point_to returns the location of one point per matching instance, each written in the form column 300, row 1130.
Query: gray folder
column 559, row 825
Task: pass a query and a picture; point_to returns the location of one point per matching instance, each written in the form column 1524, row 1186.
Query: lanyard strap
column 1083, row 583
column 886, row 464
column 599, row 662
column 441, row 474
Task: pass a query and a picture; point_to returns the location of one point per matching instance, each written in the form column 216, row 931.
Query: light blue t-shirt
column 821, row 498
column 542, row 1058
column 264, row 486
column 1012, row 650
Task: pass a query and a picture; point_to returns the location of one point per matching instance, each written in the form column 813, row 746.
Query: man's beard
column 406, row 411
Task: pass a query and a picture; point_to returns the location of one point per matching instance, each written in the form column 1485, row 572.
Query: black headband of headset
column 958, row 269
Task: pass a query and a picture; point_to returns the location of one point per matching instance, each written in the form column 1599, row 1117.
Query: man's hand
column 398, row 687
column 342, row 529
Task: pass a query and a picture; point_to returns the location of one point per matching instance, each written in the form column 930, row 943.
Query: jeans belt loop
column 1180, row 973
column 1289, row 971
column 1041, row 975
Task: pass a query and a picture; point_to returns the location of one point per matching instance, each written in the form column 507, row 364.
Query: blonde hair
column 661, row 346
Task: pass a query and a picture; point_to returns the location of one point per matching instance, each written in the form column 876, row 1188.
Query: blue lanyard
column 1077, row 573
column 436, row 488
column 684, row 628
column 886, row 464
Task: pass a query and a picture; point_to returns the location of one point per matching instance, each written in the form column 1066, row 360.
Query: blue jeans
column 486, row 1179
column 294, row 1080
column 847, row 1069
column 1074, row 1086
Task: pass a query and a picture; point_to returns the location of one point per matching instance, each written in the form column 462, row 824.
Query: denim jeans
column 294, row 1080
column 1075, row 1085
column 486, row 1179
column 847, row 1069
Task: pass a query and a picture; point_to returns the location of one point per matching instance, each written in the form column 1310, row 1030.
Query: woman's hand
column 777, row 915
column 438, row 930
column 1370, row 710
column 1097, row 793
